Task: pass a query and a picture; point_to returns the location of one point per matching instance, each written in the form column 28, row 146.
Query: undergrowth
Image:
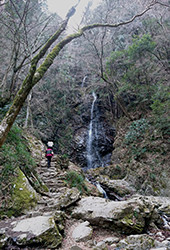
column 74, row 179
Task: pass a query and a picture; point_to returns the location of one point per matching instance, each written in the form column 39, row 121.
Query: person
column 49, row 153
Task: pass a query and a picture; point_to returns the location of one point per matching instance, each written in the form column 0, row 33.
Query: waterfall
column 90, row 135
column 101, row 190
column 83, row 82
column 99, row 187
column 98, row 146
column 166, row 222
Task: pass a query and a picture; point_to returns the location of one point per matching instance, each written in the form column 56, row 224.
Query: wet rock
column 118, row 187
column 82, row 232
column 102, row 140
column 79, row 146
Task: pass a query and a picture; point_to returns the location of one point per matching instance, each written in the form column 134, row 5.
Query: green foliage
column 124, row 63
column 137, row 151
column 135, row 68
column 140, row 46
column 136, row 131
column 158, row 107
column 135, row 136
column 14, row 151
column 76, row 180
column 160, row 110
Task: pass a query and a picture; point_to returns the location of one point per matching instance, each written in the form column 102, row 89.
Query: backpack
column 49, row 152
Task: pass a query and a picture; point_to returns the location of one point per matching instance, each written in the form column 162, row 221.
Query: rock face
column 102, row 136
column 31, row 231
column 131, row 216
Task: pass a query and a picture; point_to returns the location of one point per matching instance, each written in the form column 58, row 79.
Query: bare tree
column 24, row 29
column 36, row 73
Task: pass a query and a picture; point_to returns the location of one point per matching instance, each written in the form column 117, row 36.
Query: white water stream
column 90, row 135
column 83, row 82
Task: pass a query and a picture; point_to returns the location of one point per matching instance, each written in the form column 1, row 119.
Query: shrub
column 136, row 131
column 76, row 180
column 160, row 110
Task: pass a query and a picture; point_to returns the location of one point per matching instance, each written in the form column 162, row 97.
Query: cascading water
column 83, row 82
column 97, row 147
column 90, row 136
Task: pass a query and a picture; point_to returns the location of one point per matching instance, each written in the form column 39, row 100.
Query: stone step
column 55, row 182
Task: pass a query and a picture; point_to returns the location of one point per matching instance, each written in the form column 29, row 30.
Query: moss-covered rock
column 3, row 238
column 59, row 218
column 23, row 195
column 39, row 230
column 69, row 197
column 130, row 216
column 136, row 242
column 36, row 147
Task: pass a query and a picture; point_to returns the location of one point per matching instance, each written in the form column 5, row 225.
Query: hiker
column 49, row 153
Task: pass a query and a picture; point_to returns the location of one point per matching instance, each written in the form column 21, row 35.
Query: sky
column 61, row 7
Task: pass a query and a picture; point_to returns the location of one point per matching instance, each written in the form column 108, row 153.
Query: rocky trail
column 64, row 219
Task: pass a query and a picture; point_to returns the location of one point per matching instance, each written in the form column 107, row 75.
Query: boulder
column 40, row 230
column 82, row 232
column 69, row 197
column 23, row 195
column 111, row 240
column 118, row 187
column 130, row 216
column 136, row 242
column 101, row 246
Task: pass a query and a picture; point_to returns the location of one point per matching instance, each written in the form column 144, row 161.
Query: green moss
column 2, row 240
column 22, row 197
column 132, row 223
column 51, row 238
